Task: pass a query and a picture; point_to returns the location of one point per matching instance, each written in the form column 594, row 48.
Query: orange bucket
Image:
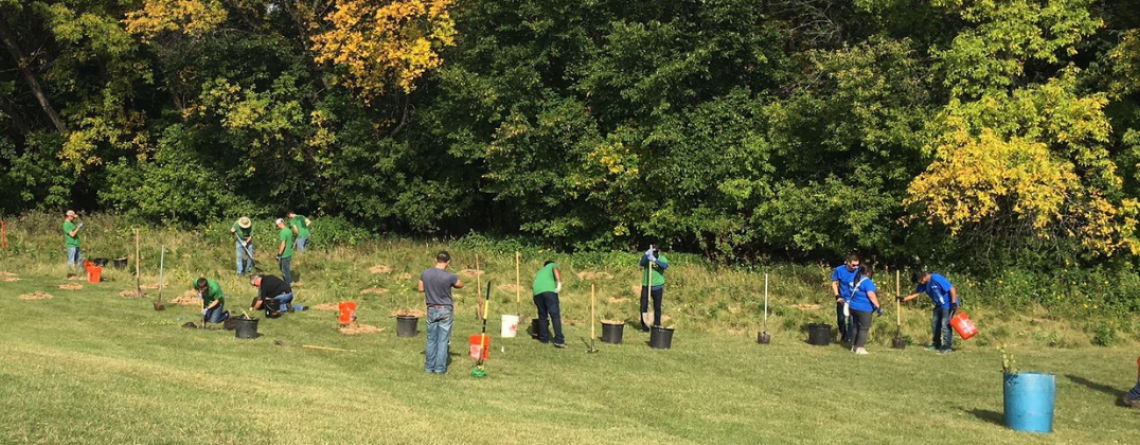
column 476, row 348
column 347, row 312
column 94, row 274
column 964, row 326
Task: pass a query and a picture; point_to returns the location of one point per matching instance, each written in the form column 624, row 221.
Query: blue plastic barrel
column 1029, row 400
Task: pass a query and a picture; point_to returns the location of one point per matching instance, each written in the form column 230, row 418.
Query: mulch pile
column 326, row 307
column 359, row 329
column 71, row 286
column 594, row 275
column 374, row 291
column 36, row 296
column 380, row 269
column 188, row 298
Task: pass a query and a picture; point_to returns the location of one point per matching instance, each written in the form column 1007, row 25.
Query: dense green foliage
column 965, row 132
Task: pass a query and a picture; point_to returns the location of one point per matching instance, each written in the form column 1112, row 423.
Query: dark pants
column 287, row 270
column 940, row 327
column 658, row 294
column 860, row 326
column 547, row 304
column 842, row 323
column 1134, row 394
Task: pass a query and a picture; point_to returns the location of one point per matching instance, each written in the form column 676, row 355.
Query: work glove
column 278, row 258
column 879, row 309
column 204, row 311
column 80, row 226
column 558, row 289
column 649, row 255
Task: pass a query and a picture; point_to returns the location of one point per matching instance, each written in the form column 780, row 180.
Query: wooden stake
column 593, row 322
column 898, row 304
column 478, row 289
column 138, row 268
column 518, row 284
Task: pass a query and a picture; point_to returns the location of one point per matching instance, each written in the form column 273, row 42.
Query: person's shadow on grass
column 1116, row 393
column 986, row 415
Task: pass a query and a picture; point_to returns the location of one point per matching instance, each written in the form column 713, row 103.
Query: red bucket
column 94, row 274
column 347, row 311
column 476, row 347
column 963, row 326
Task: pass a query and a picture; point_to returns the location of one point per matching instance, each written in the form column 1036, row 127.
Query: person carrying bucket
column 863, row 303
column 436, row 283
column 945, row 297
column 273, row 296
column 652, row 285
column 213, row 300
column 842, row 282
column 71, row 240
column 285, row 251
column 243, row 240
column 547, row 286
column 300, row 227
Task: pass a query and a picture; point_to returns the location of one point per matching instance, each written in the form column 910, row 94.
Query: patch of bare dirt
column 9, row 279
column 188, row 298
column 808, row 307
column 509, row 287
column 36, row 296
column 594, row 275
column 6, row 274
column 76, row 278
column 380, row 269
column 374, row 291
column 470, row 272
column 359, row 329
column 326, row 307
column 130, row 294
column 71, row 286
column 154, row 286
column 404, row 276
column 605, row 321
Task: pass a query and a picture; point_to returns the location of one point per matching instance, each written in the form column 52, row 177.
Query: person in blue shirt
column 863, row 303
column 945, row 297
column 842, row 280
column 653, row 264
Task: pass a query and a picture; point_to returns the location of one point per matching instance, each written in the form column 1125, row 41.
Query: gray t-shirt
column 437, row 286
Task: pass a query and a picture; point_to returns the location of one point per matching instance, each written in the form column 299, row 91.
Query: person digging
column 243, row 240
column 436, row 283
column 547, row 286
column 285, row 251
column 71, row 241
column 946, row 302
column 652, row 285
column 842, row 284
column 273, row 296
column 213, row 300
column 299, row 224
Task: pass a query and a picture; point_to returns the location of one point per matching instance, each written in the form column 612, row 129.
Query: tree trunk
column 30, row 77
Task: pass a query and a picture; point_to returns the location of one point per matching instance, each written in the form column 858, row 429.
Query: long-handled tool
column 518, row 284
column 593, row 321
column 898, row 342
column 158, row 306
column 248, row 254
column 478, row 290
column 648, row 289
column 138, row 259
column 764, row 338
column 480, row 371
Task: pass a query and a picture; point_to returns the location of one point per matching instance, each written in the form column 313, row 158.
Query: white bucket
column 510, row 326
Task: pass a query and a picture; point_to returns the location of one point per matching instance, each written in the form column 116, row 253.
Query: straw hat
column 244, row 222
column 71, row 213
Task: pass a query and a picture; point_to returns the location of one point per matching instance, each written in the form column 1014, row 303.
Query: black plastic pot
column 612, row 333
column 101, row 262
column 763, row 338
column 407, row 326
column 661, row 338
column 898, row 343
column 819, row 334
column 534, row 328
column 246, row 328
column 120, row 263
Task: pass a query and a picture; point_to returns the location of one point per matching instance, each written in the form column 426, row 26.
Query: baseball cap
column 71, row 213
column 279, row 221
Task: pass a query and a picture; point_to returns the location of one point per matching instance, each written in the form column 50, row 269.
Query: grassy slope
column 91, row 367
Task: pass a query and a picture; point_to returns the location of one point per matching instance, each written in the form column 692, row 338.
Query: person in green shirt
column 243, row 240
column 300, row 226
column 213, row 300
column 285, row 251
column 71, row 240
column 547, row 286
column 652, row 284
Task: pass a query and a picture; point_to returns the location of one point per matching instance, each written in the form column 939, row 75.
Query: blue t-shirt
column 860, row 301
column 939, row 290
column 846, row 279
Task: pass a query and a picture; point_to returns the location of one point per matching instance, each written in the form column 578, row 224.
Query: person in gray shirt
column 436, row 284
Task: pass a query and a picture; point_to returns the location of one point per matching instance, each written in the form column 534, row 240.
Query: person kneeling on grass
column 945, row 297
column 863, row 304
column 273, row 296
column 547, row 286
column 213, row 301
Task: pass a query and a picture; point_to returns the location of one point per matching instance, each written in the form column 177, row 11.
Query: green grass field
column 91, row 367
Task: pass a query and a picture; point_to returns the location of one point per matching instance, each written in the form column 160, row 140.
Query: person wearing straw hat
column 285, row 251
column 243, row 239
column 547, row 286
column 946, row 301
column 71, row 240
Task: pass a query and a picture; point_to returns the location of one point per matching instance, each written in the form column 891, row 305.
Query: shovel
column 898, row 342
column 248, row 254
column 593, row 322
column 158, row 306
column 138, row 259
column 764, row 338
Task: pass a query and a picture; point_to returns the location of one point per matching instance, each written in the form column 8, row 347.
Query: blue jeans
column 438, row 336
column 244, row 259
column 940, row 327
column 547, row 304
column 218, row 314
column 300, row 244
column 284, row 299
column 286, row 270
column 74, row 257
column 1134, row 394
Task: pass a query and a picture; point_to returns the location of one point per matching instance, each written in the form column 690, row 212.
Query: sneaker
column 945, row 351
column 560, row 345
column 932, row 348
column 1129, row 402
column 861, row 352
column 288, row 308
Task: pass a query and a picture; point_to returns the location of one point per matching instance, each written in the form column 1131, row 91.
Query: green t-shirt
column 244, row 234
column 68, row 240
column 656, row 272
column 544, row 281
column 302, row 229
column 286, row 235
column 213, row 292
